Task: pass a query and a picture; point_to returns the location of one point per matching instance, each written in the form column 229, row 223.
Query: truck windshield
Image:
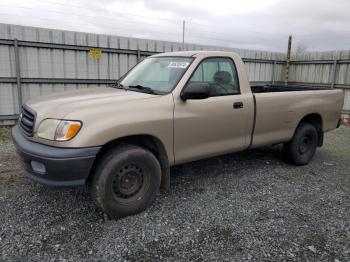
column 156, row 74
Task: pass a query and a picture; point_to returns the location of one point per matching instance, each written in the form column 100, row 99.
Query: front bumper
column 54, row 166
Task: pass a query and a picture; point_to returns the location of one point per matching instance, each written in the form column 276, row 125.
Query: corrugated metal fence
column 37, row 61
column 42, row 61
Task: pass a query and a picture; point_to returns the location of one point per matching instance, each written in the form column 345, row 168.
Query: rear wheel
column 126, row 181
column 300, row 150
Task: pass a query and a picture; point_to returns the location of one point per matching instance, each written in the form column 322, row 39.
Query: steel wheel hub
column 305, row 145
column 128, row 181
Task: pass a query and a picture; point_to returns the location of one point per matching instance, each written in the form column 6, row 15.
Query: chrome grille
column 27, row 120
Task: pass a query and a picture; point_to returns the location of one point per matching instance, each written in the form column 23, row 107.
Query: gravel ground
column 244, row 206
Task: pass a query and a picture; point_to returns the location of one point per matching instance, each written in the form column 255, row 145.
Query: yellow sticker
column 95, row 53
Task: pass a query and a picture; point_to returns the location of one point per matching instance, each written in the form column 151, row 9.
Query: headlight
column 47, row 129
column 59, row 130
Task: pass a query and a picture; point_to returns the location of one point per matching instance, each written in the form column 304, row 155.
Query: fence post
column 18, row 75
column 289, row 50
column 273, row 72
column 183, row 35
column 334, row 70
column 138, row 55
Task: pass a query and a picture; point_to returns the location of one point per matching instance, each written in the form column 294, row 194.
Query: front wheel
column 300, row 150
column 126, row 181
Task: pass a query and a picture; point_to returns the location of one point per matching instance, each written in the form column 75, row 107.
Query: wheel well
column 148, row 142
column 315, row 120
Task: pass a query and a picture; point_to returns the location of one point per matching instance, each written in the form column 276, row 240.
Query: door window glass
column 220, row 74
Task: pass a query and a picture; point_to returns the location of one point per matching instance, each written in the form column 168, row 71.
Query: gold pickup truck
column 169, row 109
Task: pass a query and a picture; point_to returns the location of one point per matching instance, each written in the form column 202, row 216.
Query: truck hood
column 58, row 105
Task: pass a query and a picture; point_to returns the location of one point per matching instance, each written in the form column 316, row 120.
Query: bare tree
column 300, row 48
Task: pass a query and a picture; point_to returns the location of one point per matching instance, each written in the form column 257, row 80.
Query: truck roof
column 193, row 53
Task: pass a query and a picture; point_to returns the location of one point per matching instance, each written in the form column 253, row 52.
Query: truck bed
column 283, row 88
column 279, row 109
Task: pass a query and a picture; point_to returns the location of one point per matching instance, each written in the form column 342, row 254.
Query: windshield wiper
column 118, row 85
column 144, row 89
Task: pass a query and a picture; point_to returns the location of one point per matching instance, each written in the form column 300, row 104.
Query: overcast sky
column 316, row 25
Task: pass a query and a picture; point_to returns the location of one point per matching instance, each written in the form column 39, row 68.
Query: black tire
column 300, row 150
column 126, row 181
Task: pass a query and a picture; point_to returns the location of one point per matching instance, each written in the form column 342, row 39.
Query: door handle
column 237, row 105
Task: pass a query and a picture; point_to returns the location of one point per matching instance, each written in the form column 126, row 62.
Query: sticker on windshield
column 178, row 64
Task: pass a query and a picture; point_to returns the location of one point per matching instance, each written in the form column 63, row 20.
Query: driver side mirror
column 198, row 90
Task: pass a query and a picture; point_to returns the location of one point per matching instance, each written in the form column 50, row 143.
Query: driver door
column 215, row 125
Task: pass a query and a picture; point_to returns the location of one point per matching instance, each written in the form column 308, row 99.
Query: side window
column 220, row 74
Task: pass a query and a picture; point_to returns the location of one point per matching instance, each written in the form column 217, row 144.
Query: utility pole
column 183, row 34
column 289, row 50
